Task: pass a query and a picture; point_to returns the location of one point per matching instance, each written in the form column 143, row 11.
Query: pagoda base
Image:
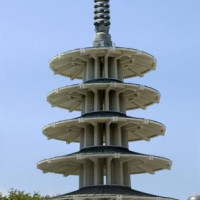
column 109, row 192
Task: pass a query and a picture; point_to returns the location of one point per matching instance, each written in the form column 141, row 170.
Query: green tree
column 21, row 195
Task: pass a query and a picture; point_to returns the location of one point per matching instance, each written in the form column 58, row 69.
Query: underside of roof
column 135, row 96
column 137, row 128
column 72, row 63
column 138, row 163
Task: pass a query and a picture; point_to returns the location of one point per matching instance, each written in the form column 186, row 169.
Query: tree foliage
column 21, row 195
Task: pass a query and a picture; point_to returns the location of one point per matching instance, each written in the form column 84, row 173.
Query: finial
column 102, row 23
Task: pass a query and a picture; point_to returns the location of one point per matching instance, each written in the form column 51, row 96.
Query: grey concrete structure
column 194, row 197
column 104, row 163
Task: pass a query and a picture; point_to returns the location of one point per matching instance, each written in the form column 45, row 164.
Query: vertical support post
column 84, row 73
column 121, row 174
column 96, row 100
column 116, row 171
column 82, row 141
column 89, row 136
column 83, row 106
column 84, row 174
column 108, row 171
column 122, row 103
column 106, row 66
column 119, row 138
column 126, row 174
column 87, row 71
column 81, row 178
column 97, row 67
column 88, row 173
column 97, row 135
column 124, row 135
column 115, row 69
column 90, row 101
column 117, row 102
column 90, row 69
column 108, row 134
column 107, row 107
column 116, row 135
column 120, row 71
column 98, row 171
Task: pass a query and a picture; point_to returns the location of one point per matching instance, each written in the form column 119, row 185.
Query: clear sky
column 34, row 31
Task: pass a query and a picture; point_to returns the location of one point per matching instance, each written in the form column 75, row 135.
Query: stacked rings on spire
column 102, row 13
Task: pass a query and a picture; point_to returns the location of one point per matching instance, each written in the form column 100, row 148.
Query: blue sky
column 32, row 32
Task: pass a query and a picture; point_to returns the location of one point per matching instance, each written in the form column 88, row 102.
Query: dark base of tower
column 113, row 192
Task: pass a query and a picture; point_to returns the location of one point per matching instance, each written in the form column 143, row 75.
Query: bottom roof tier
column 108, row 192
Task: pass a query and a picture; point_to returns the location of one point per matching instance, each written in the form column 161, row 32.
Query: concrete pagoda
column 104, row 163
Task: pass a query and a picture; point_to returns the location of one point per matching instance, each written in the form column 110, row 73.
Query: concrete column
column 107, row 106
column 113, row 73
column 98, row 171
column 83, row 106
column 116, row 172
column 113, row 101
column 119, row 137
column 112, row 134
column 108, row 171
column 126, row 174
column 96, row 100
column 122, row 106
column 85, row 102
column 97, row 68
column 98, row 137
column 89, row 136
column 115, row 135
column 84, row 175
column 101, row 100
column 117, row 102
column 89, row 101
column 124, row 135
column 107, row 134
column 88, row 173
column 85, row 73
column 90, row 69
column 81, row 176
column 106, row 67
column 120, row 71
column 115, row 69
column 111, row 69
column 82, row 136
column 121, row 174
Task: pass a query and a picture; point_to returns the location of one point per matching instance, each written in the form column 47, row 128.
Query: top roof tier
column 103, row 62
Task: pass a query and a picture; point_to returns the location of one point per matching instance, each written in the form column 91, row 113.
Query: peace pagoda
column 104, row 163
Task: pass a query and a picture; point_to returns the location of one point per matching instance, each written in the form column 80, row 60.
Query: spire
column 102, row 23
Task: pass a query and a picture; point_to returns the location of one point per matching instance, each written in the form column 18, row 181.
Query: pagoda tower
column 104, row 162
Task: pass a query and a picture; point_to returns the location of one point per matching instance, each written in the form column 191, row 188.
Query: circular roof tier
column 71, row 97
column 110, row 192
column 137, row 128
column 72, row 63
column 138, row 163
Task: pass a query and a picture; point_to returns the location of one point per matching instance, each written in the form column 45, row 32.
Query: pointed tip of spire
column 102, row 23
